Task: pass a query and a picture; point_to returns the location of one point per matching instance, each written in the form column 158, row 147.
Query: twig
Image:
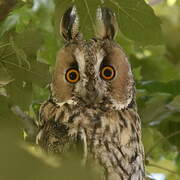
column 166, row 169
column 161, row 140
column 6, row 6
column 4, row 57
column 4, row 45
column 28, row 122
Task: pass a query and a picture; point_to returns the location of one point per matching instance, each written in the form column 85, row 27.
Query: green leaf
column 20, row 93
column 168, row 128
column 24, row 68
column 163, row 69
column 178, row 162
column 150, row 137
column 48, row 51
column 86, row 9
column 19, row 18
column 4, row 106
column 30, row 41
column 9, row 23
column 5, row 78
column 25, row 16
column 7, row 118
column 154, row 109
column 37, row 74
column 137, row 21
column 174, row 105
column 137, row 73
column 172, row 87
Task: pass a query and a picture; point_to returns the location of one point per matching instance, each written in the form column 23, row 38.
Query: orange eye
column 107, row 73
column 72, row 75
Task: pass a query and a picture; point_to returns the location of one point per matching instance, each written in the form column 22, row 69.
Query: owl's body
column 93, row 102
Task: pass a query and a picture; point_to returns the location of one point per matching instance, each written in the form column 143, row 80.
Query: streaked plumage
column 99, row 113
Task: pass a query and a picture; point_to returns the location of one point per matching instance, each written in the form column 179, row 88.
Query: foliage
column 29, row 41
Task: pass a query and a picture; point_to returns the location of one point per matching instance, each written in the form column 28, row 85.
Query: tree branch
column 5, row 7
column 29, row 123
column 161, row 140
column 163, row 168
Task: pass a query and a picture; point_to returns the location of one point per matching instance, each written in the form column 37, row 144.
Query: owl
column 93, row 100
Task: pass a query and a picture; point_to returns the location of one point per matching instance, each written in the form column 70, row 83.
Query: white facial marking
column 99, row 56
column 70, row 102
column 80, row 60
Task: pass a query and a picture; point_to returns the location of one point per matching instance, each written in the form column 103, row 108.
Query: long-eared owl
column 93, row 100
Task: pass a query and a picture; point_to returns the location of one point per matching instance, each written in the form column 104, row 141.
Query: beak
column 91, row 95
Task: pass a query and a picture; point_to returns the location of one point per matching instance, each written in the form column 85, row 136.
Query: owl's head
column 95, row 72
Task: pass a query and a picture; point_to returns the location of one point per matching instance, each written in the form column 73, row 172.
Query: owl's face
column 93, row 73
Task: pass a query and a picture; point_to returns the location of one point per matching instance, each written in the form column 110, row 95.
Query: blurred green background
column 29, row 41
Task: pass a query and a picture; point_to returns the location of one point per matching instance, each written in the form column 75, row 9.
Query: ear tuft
column 69, row 25
column 106, row 23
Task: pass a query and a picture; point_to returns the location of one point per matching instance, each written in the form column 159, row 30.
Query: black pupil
column 72, row 75
column 108, row 72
